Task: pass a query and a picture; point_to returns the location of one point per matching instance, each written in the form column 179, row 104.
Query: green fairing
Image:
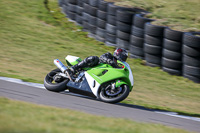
column 119, row 83
column 120, row 76
column 73, row 63
column 111, row 74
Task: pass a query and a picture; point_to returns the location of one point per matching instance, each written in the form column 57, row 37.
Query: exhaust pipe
column 60, row 65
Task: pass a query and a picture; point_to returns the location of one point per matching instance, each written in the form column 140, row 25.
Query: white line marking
column 174, row 114
column 19, row 81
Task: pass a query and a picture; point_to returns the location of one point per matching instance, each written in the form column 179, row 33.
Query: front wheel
column 109, row 95
column 54, row 82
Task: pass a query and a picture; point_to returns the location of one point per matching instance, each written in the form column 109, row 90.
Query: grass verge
column 20, row 117
column 31, row 37
column 182, row 15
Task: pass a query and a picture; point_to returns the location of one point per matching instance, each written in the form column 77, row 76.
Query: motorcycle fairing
column 94, row 85
column 82, row 87
column 104, row 73
column 130, row 73
column 72, row 60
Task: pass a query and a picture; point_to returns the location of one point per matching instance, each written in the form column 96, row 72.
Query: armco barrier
column 174, row 51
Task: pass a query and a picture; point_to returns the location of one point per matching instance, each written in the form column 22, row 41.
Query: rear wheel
column 113, row 95
column 54, row 82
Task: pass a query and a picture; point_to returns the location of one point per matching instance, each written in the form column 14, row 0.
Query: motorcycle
column 103, row 82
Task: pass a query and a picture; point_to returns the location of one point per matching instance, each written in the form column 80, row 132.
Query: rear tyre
column 120, row 94
column 55, row 83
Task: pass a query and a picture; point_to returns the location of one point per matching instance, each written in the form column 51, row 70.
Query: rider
column 107, row 58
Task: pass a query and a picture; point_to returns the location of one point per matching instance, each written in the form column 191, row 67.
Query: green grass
column 20, row 117
column 182, row 15
column 31, row 37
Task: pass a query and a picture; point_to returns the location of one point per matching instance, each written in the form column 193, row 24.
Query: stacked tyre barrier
column 175, row 52
column 191, row 56
column 79, row 11
column 153, row 44
column 137, row 36
column 101, row 21
column 63, row 4
column 124, row 24
column 92, row 17
column 85, row 15
column 172, row 52
column 71, row 9
column 111, row 29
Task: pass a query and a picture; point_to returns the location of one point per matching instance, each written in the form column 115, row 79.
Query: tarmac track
column 29, row 93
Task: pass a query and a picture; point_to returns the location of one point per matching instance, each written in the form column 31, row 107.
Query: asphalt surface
column 89, row 105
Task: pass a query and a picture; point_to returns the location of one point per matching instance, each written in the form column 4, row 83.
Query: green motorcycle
column 104, row 82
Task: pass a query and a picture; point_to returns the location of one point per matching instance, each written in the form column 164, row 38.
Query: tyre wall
column 172, row 52
column 175, row 52
column 191, row 56
column 153, row 44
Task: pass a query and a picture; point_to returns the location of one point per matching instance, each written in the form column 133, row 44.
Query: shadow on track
column 119, row 104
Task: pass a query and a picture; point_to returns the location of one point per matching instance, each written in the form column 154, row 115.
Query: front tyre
column 54, row 82
column 109, row 96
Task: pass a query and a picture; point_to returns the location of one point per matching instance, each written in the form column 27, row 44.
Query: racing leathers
column 90, row 61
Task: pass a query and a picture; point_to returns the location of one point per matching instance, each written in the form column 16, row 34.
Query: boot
column 87, row 62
